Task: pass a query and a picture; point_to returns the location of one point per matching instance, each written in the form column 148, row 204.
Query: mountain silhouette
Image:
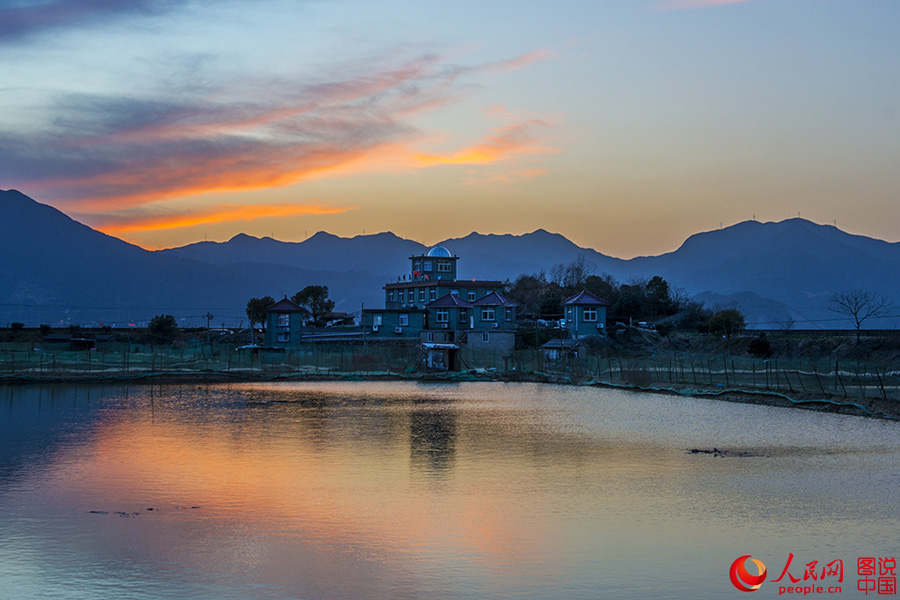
column 56, row 270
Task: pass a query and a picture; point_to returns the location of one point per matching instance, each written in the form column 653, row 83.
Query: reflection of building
column 433, row 305
column 283, row 325
column 432, row 439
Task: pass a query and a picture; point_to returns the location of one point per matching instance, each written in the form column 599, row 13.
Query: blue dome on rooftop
column 439, row 251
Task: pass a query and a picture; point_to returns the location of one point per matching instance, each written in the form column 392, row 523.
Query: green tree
column 727, row 322
column 163, row 329
column 17, row 326
column 45, row 329
column 694, row 316
column 256, row 310
column 313, row 299
column 659, row 297
column 529, row 291
column 604, row 286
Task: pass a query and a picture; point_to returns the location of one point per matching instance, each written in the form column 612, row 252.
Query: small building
column 431, row 277
column 449, row 312
column 560, row 354
column 284, row 325
column 585, row 315
column 438, row 357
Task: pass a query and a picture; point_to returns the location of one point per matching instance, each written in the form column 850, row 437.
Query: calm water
column 401, row 490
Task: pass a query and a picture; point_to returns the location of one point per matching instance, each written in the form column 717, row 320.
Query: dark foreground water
column 400, row 490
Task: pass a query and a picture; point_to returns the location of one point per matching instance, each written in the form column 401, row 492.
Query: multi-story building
column 432, row 304
column 284, row 323
column 585, row 315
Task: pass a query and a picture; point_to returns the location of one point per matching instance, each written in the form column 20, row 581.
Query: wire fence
column 791, row 376
column 837, row 378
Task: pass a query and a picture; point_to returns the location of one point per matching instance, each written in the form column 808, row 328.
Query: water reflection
column 405, row 491
column 432, row 436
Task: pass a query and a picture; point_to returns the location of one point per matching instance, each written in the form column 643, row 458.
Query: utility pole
column 209, row 318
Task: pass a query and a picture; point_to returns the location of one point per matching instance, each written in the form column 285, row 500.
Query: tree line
column 642, row 299
column 312, row 300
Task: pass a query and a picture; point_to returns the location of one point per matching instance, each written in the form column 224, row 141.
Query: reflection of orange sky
column 340, row 493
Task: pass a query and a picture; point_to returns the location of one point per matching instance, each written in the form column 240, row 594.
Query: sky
column 625, row 125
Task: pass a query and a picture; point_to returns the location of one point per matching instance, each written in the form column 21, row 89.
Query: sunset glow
column 625, row 126
column 220, row 214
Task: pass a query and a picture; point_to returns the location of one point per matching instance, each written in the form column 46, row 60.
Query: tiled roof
column 586, row 298
column 494, row 299
column 284, row 305
column 449, row 301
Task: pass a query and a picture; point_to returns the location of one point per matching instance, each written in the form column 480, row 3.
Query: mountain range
column 58, row 271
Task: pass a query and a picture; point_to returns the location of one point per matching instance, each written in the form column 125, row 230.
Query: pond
column 407, row 490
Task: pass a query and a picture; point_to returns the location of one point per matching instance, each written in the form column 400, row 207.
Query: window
column 417, row 265
column 471, row 295
column 422, row 295
column 427, row 266
column 443, row 266
column 411, row 296
column 590, row 313
column 509, row 314
column 433, row 295
column 442, row 316
column 391, row 295
column 284, row 338
column 376, row 320
column 463, row 315
column 454, row 292
column 404, row 319
column 487, row 314
column 429, row 337
column 284, row 320
column 485, row 337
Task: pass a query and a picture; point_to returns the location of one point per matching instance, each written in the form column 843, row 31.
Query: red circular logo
column 741, row 577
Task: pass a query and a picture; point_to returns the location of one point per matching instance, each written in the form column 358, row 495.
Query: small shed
column 439, row 357
column 557, row 351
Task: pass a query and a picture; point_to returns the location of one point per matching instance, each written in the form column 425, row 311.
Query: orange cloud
column 109, row 153
column 218, row 214
column 513, row 140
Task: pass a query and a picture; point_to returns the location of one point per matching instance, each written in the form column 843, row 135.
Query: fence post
column 800, row 379
column 786, row 378
column 881, row 383
column 821, row 387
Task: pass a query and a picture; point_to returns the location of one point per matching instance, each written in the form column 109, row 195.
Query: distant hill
column 57, row 270
column 795, row 263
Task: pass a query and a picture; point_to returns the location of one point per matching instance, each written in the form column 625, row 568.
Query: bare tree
column 860, row 305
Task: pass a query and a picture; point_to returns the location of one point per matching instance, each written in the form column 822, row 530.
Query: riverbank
column 878, row 408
